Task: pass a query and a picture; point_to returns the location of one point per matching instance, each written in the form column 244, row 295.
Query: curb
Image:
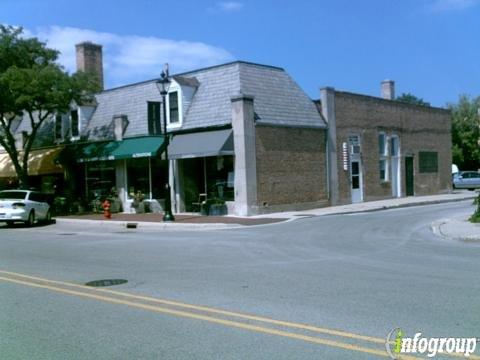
column 399, row 206
column 153, row 225
column 436, row 228
column 220, row 226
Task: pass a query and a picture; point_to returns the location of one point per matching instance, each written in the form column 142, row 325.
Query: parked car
column 466, row 180
column 24, row 205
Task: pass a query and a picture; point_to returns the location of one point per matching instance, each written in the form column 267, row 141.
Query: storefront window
column 220, row 177
column 138, row 177
column 100, row 179
column 159, row 177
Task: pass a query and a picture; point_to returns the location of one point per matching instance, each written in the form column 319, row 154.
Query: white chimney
column 388, row 89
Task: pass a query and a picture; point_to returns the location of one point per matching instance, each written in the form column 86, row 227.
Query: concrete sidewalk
column 378, row 205
column 197, row 222
column 458, row 228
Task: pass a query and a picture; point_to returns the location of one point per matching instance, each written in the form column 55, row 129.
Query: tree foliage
column 411, row 99
column 466, row 132
column 33, row 87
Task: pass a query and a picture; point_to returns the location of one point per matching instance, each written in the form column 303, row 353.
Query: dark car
column 466, row 180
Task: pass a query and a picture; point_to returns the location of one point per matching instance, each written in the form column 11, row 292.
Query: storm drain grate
column 106, row 282
column 305, row 215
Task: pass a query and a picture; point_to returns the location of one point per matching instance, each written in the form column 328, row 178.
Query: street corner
column 153, row 221
column 457, row 229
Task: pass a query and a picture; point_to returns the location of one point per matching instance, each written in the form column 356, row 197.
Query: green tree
column 466, row 132
column 411, row 99
column 33, row 87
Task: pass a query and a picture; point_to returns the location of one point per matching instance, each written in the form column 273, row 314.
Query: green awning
column 145, row 146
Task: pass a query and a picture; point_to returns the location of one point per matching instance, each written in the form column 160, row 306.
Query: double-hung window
column 75, row 123
column 173, row 107
column 383, row 156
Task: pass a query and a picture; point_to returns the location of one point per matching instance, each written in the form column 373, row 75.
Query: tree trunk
column 23, row 181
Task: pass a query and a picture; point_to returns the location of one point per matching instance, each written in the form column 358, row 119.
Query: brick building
column 246, row 134
column 380, row 148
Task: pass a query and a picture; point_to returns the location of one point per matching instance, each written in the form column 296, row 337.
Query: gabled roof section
column 278, row 98
column 127, row 100
column 186, row 81
column 211, row 104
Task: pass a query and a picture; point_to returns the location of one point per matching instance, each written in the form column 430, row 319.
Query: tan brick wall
column 291, row 166
column 418, row 129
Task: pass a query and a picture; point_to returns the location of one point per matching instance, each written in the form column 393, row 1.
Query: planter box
column 216, row 210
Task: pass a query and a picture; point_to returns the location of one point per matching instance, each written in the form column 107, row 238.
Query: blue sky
column 429, row 47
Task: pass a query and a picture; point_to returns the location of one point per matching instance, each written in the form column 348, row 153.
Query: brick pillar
column 327, row 96
column 245, row 156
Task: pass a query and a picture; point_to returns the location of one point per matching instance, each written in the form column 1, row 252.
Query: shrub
column 475, row 218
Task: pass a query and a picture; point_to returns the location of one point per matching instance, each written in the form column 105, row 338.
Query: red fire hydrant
column 106, row 209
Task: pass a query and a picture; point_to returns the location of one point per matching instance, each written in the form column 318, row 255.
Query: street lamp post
column 164, row 85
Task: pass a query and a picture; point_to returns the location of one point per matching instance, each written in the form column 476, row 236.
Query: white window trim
column 79, row 114
column 385, row 143
column 385, row 160
column 384, row 156
column 394, row 136
column 175, row 87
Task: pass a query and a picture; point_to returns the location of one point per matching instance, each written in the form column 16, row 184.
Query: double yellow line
column 237, row 320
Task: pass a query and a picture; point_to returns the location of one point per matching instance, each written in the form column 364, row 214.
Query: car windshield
column 15, row 195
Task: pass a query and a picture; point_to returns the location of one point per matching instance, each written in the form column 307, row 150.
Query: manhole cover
column 106, row 282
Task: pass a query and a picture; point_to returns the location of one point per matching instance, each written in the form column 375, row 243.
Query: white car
column 23, row 205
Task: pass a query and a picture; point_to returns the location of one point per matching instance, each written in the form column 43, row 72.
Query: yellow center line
column 212, row 310
column 210, row 319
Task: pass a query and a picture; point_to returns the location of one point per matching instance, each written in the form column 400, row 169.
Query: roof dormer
column 180, row 95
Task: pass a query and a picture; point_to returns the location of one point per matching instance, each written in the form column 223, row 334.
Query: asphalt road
column 327, row 287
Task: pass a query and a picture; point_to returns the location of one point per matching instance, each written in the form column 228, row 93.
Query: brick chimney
column 388, row 89
column 90, row 59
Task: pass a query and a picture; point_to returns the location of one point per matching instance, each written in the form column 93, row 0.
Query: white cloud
column 226, row 7
column 131, row 58
column 230, row 6
column 446, row 5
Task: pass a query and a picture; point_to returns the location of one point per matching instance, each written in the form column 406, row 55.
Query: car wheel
column 48, row 217
column 31, row 219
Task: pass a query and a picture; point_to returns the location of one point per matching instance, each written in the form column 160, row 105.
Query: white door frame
column 395, row 166
column 355, row 167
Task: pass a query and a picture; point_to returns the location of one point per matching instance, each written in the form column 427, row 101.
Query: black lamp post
column 164, row 85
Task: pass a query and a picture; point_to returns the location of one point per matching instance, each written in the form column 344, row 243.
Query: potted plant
column 216, row 206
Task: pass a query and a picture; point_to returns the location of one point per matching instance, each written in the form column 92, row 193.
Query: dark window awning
column 116, row 150
column 201, row 144
column 40, row 162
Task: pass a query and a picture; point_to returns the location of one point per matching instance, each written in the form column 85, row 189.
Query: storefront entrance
column 208, row 178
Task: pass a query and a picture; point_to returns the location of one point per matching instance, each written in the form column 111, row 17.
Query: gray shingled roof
column 277, row 100
column 128, row 100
